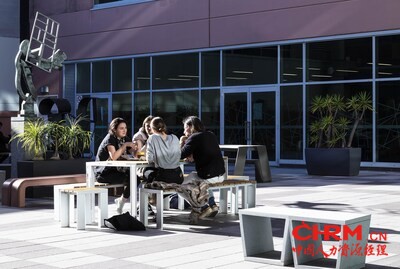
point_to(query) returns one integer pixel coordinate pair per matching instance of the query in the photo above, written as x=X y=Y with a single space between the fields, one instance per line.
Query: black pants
x=166 y=175
x=112 y=176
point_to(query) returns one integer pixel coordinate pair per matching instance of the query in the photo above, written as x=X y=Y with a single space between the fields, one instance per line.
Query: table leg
x=133 y=182
x=263 y=164
x=240 y=161
x=80 y=208
x=90 y=179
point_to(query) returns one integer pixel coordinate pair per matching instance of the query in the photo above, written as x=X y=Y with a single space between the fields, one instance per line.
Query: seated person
x=164 y=151
x=115 y=144
x=203 y=148
x=140 y=138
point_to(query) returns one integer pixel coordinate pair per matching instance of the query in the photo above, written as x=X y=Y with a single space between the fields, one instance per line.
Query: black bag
x=124 y=222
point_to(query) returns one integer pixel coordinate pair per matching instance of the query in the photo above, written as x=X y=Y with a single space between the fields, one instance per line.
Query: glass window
x=388 y=121
x=101 y=76
x=141 y=109
x=250 y=66
x=83 y=77
x=122 y=107
x=210 y=68
x=122 y=75
x=339 y=60
x=291 y=63
x=363 y=136
x=388 y=56
x=176 y=71
x=210 y=110
x=69 y=86
x=291 y=122
x=173 y=107
x=142 y=73
x=111 y=3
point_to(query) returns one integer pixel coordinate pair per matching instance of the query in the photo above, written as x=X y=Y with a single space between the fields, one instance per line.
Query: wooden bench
x=83 y=213
x=14 y=189
x=57 y=192
x=257 y=238
x=248 y=188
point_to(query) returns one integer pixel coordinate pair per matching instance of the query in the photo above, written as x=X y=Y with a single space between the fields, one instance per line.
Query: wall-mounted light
x=44 y=90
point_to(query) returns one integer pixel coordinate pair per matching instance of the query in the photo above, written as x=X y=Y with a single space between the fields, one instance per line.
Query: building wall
x=9 y=43
x=172 y=25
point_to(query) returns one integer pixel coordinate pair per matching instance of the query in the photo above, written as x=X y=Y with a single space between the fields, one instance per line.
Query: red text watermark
x=313 y=232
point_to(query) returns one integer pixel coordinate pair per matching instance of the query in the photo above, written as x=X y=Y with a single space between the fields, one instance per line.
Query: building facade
x=249 y=68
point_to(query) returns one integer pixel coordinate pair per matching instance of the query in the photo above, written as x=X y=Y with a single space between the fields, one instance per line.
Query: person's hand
x=130 y=146
x=189 y=159
x=182 y=140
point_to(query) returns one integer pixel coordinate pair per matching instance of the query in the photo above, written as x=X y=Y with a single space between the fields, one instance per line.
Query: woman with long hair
x=114 y=145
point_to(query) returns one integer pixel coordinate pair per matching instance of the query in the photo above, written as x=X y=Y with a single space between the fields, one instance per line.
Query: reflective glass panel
x=142 y=73
x=141 y=109
x=388 y=56
x=250 y=66
x=101 y=76
x=122 y=107
x=363 y=135
x=83 y=77
x=176 y=71
x=210 y=68
x=210 y=110
x=102 y=121
x=122 y=75
x=339 y=60
x=291 y=107
x=291 y=63
x=173 y=107
x=388 y=121
x=235 y=116
x=263 y=122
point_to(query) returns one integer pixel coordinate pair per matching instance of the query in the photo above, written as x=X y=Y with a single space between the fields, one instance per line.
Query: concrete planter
x=333 y=161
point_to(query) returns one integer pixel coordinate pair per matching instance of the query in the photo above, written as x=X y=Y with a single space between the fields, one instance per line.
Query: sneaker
x=214 y=210
x=150 y=210
x=119 y=202
x=205 y=213
x=193 y=218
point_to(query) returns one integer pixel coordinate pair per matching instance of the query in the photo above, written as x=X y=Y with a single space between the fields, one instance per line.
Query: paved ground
x=30 y=238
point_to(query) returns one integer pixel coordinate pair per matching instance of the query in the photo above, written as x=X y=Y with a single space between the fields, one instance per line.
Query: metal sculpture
x=39 y=51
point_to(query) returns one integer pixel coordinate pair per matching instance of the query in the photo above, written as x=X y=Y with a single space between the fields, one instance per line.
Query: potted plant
x=56 y=136
x=329 y=133
x=76 y=139
x=33 y=139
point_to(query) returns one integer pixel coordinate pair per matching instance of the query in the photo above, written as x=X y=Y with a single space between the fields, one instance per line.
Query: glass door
x=250 y=118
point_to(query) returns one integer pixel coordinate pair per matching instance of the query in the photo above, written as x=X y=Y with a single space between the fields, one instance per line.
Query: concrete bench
x=248 y=188
x=14 y=189
x=258 y=244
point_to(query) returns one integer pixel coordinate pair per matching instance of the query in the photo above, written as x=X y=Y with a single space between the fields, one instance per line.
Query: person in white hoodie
x=164 y=151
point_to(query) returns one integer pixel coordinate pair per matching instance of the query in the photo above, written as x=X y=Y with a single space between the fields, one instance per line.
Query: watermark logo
x=306 y=232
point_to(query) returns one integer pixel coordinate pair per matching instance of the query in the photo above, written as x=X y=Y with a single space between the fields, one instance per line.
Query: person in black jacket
x=115 y=145
x=202 y=147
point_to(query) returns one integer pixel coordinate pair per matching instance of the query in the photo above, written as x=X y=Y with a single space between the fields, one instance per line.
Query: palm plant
x=32 y=140
x=76 y=139
x=56 y=136
x=331 y=127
